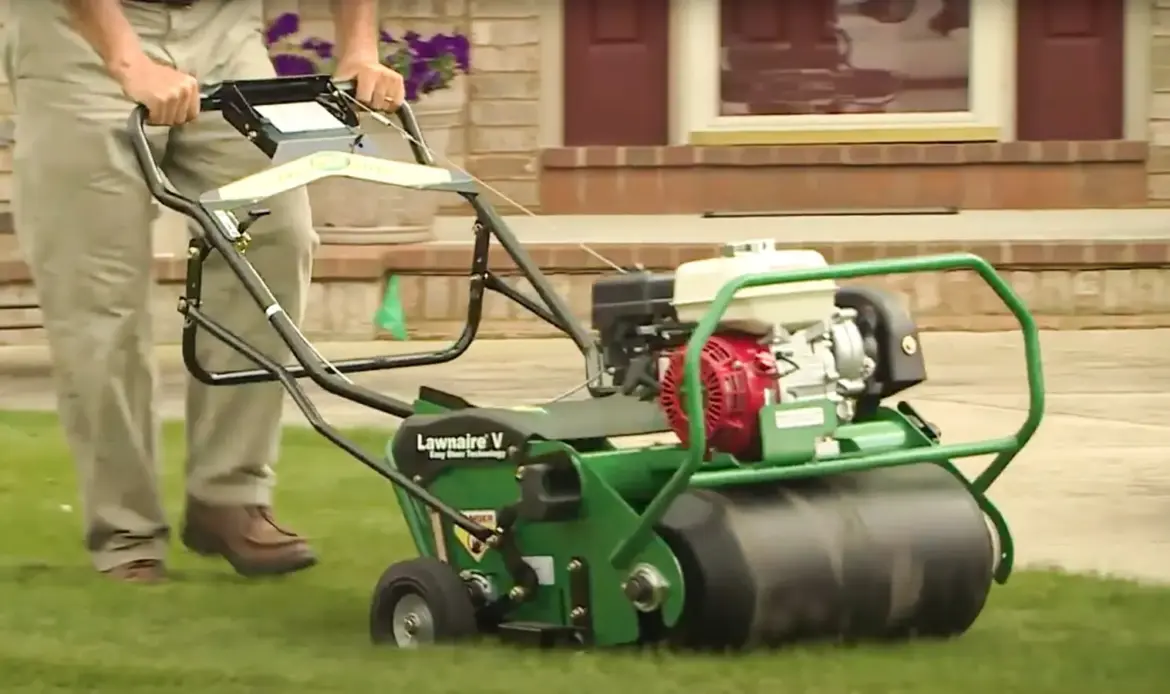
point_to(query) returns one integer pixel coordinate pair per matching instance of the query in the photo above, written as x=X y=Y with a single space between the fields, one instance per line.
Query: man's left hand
x=377 y=86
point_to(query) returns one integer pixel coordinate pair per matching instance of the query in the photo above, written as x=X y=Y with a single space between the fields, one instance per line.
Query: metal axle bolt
x=646 y=588
x=411 y=624
x=517 y=593
x=578 y=612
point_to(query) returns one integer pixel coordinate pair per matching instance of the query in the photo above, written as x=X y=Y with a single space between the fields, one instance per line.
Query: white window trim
x=1136 y=62
x=695 y=82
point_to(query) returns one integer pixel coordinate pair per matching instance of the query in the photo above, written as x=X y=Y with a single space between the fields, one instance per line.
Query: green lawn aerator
x=793 y=503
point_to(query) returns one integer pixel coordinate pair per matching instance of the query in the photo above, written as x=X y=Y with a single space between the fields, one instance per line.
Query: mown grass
x=64 y=629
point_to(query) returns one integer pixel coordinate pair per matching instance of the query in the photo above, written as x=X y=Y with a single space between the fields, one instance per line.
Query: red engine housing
x=737 y=374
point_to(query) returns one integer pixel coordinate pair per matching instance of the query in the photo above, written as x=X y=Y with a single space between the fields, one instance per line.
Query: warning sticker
x=474 y=546
x=800 y=418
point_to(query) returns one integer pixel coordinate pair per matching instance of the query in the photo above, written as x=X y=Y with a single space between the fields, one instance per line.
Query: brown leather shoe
x=247 y=537
x=138 y=571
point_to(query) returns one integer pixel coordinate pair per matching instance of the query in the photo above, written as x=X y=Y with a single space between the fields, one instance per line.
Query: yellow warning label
x=474 y=546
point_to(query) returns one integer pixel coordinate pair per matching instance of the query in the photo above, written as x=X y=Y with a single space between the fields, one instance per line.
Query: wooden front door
x=616 y=72
x=1070 y=79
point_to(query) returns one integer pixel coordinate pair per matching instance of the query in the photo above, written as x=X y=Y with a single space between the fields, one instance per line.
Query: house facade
x=757 y=106
x=688 y=106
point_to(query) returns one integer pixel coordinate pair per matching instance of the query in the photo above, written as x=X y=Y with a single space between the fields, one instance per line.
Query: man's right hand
x=171 y=97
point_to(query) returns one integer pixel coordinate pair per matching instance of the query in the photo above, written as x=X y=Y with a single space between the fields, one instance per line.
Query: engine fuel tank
x=881 y=554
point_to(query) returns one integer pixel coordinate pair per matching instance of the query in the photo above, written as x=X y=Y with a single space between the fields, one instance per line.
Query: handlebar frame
x=224 y=234
x=237 y=100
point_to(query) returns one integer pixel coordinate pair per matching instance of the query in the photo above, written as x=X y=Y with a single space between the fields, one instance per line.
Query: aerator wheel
x=421 y=602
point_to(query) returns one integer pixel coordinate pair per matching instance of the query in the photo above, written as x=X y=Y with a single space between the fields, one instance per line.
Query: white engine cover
x=793 y=306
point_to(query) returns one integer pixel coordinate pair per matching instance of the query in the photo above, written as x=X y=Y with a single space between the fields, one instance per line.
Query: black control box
x=635 y=298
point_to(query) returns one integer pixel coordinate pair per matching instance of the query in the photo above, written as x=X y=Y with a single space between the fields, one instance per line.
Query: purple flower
x=289 y=65
x=421 y=48
x=427 y=64
x=282 y=27
x=321 y=47
x=460 y=48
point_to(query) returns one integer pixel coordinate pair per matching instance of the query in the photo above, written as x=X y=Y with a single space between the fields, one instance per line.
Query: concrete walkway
x=1146 y=224
x=1092 y=493
x=969 y=225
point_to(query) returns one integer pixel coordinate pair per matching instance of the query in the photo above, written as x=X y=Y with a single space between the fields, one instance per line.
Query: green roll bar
x=1005 y=449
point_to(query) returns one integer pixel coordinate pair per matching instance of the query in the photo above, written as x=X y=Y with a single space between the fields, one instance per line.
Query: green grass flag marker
x=390 y=316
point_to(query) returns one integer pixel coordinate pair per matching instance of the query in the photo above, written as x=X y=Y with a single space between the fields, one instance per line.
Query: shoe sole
x=135 y=581
x=245 y=568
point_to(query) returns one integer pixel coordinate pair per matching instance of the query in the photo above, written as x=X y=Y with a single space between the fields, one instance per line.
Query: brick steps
x=1069 y=284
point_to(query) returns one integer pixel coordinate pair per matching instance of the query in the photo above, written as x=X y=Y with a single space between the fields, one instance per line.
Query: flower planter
x=349 y=212
x=346 y=211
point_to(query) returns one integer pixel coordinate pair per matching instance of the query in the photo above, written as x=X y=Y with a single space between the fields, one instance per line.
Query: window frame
x=695 y=58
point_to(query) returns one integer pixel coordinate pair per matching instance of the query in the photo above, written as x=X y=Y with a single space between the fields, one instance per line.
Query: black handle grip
x=274 y=90
x=279 y=90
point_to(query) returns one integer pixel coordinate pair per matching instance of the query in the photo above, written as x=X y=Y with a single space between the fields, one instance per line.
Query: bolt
x=578 y=612
x=575 y=565
x=645 y=588
x=411 y=624
x=192 y=252
x=517 y=593
x=909 y=345
x=636 y=589
x=417 y=479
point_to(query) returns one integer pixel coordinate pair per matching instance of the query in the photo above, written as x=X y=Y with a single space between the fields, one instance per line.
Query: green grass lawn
x=64 y=629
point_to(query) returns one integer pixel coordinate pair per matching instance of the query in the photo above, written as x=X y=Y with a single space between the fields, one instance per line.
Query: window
x=780 y=71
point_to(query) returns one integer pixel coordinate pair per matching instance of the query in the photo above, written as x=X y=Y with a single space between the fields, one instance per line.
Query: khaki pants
x=83 y=218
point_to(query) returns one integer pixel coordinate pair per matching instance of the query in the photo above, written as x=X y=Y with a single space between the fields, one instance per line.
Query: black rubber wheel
x=421 y=602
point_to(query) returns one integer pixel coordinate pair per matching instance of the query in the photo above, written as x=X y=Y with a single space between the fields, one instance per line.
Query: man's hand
x=171 y=97
x=377 y=86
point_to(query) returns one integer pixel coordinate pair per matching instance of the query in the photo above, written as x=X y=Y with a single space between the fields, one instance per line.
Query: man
x=83 y=216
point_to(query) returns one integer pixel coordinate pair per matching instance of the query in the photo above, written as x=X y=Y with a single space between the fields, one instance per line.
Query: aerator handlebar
x=265 y=92
x=1004 y=449
x=315 y=147
x=239 y=100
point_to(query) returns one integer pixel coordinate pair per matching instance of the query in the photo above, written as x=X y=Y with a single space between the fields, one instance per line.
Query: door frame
x=552 y=73
x=1137 y=37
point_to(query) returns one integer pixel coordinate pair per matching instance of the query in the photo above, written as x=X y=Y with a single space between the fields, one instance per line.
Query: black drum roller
x=880 y=554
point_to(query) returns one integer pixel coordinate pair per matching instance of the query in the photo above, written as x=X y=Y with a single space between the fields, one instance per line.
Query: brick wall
x=499 y=138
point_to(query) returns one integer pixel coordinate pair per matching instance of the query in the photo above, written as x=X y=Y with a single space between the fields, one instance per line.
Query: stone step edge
x=373 y=263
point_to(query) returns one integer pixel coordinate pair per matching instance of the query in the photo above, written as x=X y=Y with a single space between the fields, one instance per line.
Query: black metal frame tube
x=313 y=415
x=456 y=349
